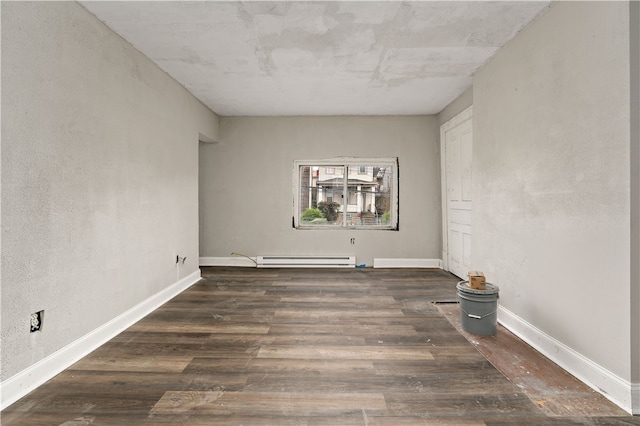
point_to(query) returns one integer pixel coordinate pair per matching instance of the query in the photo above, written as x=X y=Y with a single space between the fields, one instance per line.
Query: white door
x=456 y=161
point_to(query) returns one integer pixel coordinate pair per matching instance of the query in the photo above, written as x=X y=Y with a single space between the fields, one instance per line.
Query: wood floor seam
x=311 y=347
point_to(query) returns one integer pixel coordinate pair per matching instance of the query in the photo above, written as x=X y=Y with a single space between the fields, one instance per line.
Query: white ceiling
x=319 y=58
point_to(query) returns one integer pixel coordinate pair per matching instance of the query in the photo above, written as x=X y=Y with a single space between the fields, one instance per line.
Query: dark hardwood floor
x=296 y=347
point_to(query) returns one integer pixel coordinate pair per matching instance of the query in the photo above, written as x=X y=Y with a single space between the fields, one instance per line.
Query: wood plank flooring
x=251 y=346
x=554 y=390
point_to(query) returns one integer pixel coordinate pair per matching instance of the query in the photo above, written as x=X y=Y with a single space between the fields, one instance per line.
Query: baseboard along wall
x=29 y=379
x=406 y=263
x=619 y=391
x=377 y=263
x=250 y=262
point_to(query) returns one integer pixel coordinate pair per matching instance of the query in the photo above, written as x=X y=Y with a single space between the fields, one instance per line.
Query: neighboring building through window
x=346 y=193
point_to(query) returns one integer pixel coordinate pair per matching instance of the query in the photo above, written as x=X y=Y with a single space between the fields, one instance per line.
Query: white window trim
x=348 y=162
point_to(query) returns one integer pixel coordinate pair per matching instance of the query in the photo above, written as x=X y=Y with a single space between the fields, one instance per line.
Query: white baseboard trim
x=613 y=387
x=227 y=261
x=30 y=378
x=406 y=263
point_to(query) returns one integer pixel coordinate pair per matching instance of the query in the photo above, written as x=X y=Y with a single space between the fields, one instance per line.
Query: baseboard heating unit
x=306 y=261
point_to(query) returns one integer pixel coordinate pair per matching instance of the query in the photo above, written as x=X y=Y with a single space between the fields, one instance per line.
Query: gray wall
x=551 y=178
x=246 y=185
x=99 y=177
x=462 y=102
x=634 y=25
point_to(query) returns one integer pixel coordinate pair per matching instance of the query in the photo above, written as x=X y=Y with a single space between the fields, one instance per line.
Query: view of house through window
x=349 y=194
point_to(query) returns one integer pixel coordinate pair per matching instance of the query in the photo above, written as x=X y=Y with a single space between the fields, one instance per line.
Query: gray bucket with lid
x=478 y=308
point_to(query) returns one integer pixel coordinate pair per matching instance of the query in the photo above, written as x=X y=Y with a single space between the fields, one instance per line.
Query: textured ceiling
x=319 y=58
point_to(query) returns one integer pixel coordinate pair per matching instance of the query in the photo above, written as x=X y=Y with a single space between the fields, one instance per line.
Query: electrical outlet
x=36 y=321
x=353 y=241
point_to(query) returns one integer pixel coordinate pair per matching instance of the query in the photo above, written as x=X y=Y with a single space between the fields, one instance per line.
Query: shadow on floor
x=550 y=387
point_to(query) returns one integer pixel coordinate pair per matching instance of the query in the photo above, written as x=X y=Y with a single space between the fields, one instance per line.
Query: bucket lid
x=464 y=287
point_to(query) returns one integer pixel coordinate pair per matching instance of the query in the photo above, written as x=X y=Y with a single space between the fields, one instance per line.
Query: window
x=346 y=193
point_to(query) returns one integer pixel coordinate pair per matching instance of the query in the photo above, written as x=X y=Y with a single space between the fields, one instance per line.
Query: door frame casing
x=466 y=114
